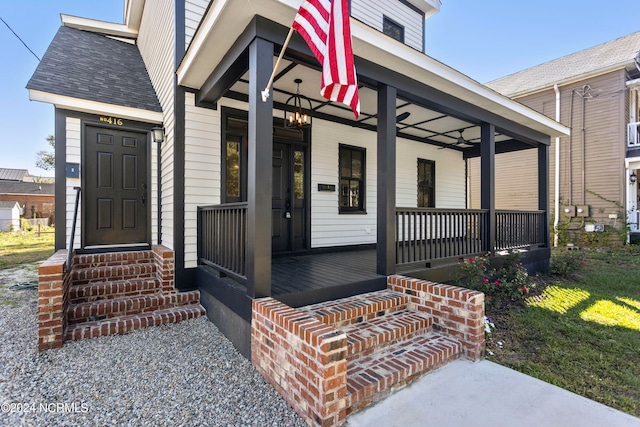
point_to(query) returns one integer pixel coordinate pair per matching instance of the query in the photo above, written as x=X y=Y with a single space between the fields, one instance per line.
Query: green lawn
x=582 y=332
x=18 y=248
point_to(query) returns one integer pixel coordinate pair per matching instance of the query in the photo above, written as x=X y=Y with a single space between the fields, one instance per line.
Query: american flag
x=324 y=25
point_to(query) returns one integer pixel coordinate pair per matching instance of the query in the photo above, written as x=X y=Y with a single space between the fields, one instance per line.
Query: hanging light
x=157 y=134
x=293 y=115
x=633 y=178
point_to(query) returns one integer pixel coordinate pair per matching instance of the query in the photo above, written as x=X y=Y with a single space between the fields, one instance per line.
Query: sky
x=482 y=39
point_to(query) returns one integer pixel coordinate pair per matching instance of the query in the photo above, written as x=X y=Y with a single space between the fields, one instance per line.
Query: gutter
x=556 y=215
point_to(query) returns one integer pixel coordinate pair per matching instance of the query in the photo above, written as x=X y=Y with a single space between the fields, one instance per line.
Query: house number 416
x=111 y=120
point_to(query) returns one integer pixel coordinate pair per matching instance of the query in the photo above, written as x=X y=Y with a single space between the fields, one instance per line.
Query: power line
x=14 y=33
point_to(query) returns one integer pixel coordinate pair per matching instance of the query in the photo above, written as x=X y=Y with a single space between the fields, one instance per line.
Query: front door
x=289 y=215
x=115 y=192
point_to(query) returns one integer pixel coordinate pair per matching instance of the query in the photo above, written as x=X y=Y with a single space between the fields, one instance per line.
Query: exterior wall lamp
x=158 y=134
x=293 y=115
x=633 y=178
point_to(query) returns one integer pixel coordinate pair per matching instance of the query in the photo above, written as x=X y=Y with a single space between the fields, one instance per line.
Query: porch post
x=488 y=181
x=386 y=203
x=260 y=155
x=543 y=191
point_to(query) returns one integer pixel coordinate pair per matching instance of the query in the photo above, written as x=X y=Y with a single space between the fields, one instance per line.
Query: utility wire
x=14 y=33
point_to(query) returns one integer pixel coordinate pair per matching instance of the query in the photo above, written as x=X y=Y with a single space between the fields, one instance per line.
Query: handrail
x=73 y=228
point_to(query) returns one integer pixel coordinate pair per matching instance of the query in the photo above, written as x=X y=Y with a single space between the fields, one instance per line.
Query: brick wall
x=304 y=359
x=165 y=263
x=53 y=286
x=458 y=312
x=43 y=205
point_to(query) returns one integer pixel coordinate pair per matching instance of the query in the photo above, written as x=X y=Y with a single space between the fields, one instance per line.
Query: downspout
x=556 y=216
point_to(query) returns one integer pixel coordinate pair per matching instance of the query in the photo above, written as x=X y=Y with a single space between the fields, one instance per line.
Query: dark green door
x=115 y=190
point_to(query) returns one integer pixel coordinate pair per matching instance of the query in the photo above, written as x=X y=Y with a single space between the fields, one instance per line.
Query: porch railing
x=424 y=234
x=222 y=242
x=519 y=229
x=633 y=135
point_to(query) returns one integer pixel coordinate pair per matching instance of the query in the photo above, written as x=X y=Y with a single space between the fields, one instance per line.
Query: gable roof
x=94 y=67
x=9 y=205
x=33 y=188
x=13 y=174
x=611 y=55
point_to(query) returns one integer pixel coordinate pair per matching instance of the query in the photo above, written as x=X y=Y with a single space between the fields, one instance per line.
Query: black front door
x=115 y=191
x=289 y=215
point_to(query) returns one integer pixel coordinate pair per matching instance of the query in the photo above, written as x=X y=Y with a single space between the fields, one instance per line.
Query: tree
x=47 y=159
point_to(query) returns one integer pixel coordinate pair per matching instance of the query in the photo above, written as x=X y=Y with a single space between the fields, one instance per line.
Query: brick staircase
x=117 y=292
x=388 y=343
x=333 y=358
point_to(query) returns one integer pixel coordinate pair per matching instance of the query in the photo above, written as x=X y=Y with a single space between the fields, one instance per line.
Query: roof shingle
x=620 y=52
x=94 y=67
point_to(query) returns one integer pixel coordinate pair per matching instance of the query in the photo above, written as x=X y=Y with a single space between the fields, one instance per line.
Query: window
x=234 y=157
x=426 y=183
x=352 y=176
x=392 y=29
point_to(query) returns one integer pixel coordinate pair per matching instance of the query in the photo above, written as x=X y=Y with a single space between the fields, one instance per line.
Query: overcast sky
x=482 y=39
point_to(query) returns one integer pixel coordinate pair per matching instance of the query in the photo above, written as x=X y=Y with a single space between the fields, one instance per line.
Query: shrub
x=509 y=283
x=564 y=262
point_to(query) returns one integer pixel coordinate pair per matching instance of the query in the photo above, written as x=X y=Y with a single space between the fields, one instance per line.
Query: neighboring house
x=37 y=199
x=9 y=216
x=251 y=209
x=595 y=92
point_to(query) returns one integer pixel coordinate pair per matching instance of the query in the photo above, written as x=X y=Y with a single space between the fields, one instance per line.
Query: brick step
x=124 y=324
x=358 y=308
x=373 y=377
x=81 y=276
x=110 y=259
x=368 y=337
x=113 y=289
x=109 y=308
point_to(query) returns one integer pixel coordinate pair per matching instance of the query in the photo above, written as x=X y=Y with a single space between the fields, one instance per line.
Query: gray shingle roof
x=94 y=67
x=13 y=174
x=8 y=205
x=17 y=187
x=616 y=52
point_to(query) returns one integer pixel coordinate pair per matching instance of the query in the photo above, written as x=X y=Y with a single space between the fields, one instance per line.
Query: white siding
x=450 y=179
x=202 y=169
x=194 y=11
x=73 y=156
x=156 y=43
x=371 y=13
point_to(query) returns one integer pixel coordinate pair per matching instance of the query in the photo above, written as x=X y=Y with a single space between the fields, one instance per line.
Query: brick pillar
x=165 y=267
x=53 y=289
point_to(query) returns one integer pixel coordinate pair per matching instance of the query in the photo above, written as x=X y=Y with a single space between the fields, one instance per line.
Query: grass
x=582 y=332
x=18 y=248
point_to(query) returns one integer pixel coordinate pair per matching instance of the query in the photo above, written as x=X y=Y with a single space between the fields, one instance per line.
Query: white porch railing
x=633 y=135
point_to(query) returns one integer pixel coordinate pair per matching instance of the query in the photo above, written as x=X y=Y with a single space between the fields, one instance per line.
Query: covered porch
x=406 y=98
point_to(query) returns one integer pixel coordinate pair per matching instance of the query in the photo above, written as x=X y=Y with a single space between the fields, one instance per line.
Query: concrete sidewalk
x=487 y=394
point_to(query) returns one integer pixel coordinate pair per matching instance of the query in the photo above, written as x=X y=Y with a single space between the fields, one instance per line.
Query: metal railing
x=633 y=135
x=519 y=229
x=424 y=234
x=222 y=241
x=73 y=228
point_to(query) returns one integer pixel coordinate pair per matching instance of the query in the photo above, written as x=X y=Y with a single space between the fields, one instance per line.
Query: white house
x=251 y=208
x=9 y=216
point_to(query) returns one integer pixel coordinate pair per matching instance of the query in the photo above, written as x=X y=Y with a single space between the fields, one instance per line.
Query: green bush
x=564 y=262
x=510 y=283
x=24 y=224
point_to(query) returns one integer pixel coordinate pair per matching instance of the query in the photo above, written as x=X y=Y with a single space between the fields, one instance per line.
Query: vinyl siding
x=605 y=141
x=371 y=12
x=73 y=135
x=202 y=169
x=156 y=41
x=194 y=11
x=328 y=226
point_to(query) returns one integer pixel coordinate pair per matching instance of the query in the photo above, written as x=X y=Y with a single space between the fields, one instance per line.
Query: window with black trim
x=234 y=159
x=393 y=29
x=352 y=179
x=426 y=183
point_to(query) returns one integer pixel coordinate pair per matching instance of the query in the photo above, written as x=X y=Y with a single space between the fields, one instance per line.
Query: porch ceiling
x=226 y=21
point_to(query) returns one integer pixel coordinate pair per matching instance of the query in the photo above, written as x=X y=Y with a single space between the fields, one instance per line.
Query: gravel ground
x=185 y=374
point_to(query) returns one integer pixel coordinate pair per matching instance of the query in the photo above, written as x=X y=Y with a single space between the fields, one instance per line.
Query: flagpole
x=265 y=92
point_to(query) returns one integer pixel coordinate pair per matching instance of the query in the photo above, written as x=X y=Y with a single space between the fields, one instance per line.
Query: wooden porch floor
x=301 y=273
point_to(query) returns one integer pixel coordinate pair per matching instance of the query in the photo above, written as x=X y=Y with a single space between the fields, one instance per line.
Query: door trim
x=126 y=127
